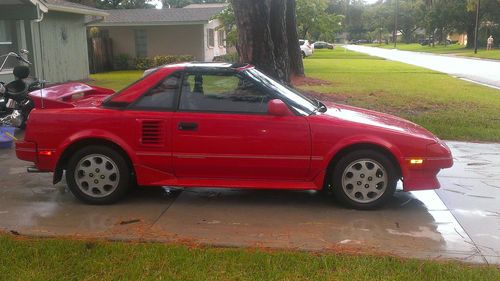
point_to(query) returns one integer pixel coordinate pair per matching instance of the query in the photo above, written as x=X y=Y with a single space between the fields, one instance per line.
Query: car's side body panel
x=242 y=146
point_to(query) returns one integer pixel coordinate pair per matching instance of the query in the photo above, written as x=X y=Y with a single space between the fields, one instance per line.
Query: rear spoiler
x=64 y=95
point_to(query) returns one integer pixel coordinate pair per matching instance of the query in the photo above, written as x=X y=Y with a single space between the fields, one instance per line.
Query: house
x=150 y=32
x=54 y=33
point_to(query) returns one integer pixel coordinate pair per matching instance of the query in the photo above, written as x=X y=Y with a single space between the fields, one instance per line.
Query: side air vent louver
x=152 y=133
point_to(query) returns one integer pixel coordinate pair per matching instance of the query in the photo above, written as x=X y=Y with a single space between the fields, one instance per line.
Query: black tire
x=121 y=182
x=357 y=159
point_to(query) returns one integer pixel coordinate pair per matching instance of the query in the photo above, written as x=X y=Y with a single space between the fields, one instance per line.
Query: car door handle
x=186 y=126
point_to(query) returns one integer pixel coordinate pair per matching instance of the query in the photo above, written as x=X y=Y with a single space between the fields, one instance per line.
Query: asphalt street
x=481 y=71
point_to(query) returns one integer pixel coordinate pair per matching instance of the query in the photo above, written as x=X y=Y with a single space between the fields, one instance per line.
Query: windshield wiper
x=320 y=107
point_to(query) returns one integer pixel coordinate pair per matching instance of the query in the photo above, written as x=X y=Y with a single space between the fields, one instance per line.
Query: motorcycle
x=15 y=104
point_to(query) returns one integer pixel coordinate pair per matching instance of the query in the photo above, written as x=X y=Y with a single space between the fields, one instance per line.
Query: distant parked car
x=306 y=48
x=428 y=41
x=322 y=45
x=362 y=41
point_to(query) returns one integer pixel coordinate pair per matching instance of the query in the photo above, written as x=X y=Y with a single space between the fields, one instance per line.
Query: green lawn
x=48 y=259
x=451 y=108
x=453 y=49
x=116 y=80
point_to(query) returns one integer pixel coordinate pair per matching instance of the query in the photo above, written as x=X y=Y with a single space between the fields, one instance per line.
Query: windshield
x=293 y=98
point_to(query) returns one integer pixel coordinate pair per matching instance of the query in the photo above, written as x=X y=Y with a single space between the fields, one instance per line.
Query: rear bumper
x=44 y=159
x=27 y=151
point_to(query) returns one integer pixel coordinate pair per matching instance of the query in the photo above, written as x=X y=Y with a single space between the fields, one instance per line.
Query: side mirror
x=277 y=107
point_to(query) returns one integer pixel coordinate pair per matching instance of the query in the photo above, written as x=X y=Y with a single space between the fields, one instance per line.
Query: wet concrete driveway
x=459 y=221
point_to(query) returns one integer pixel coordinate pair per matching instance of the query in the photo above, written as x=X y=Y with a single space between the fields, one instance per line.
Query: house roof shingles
x=155 y=16
x=66 y=6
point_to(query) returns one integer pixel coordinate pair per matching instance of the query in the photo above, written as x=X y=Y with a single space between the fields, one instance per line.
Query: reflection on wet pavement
x=460 y=221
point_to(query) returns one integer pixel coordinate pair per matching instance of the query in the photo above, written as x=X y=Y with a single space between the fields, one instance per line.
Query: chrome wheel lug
x=96 y=181
x=362 y=176
x=358 y=183
x=102 y=177
x=91 y=175
x=370 y=178
x=367 y=185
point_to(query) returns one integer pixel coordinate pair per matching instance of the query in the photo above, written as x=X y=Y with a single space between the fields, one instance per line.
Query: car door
x=150 y=120
x=222 y=131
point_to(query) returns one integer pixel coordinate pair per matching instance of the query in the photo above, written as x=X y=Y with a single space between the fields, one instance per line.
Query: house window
x=220 y=37
x=8 y=41
x=211 y=39
x=141 y=43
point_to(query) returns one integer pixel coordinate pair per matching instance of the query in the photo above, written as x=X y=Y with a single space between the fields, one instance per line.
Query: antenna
x=42 y=81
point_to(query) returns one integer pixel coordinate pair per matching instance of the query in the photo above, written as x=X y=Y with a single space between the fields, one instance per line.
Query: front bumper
x=421 y=176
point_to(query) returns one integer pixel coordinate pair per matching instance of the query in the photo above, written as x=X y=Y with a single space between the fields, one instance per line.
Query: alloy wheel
x=364 y=180
x=97 y=175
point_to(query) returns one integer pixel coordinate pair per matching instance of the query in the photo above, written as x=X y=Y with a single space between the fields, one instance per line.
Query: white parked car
x=306 y=48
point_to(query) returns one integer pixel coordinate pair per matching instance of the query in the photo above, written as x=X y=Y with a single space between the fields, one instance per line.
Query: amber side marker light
x=45 y=153
x=416 y=161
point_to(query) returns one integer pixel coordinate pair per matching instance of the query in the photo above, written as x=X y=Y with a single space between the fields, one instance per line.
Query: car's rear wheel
x=364 y=179
x=98 y=175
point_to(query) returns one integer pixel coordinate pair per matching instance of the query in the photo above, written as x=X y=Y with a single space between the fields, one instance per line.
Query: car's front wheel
x=364 y=179
x=98 y=175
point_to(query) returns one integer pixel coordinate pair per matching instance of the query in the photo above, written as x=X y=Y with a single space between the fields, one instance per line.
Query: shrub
x=144 y=63
x=162 y=60
x=230 y=57
x=121 y=62
x=185 y=58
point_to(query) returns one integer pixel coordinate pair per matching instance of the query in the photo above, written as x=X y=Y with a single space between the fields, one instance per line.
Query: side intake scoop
x=67 y=95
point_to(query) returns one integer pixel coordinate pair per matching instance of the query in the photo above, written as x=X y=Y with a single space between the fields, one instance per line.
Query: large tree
x=267 y=36
x=316 y=21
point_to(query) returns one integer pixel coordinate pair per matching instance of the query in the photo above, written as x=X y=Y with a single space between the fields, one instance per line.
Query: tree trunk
x=266 y=37
x=255 y=44
x=294 y=53
x=280 y=40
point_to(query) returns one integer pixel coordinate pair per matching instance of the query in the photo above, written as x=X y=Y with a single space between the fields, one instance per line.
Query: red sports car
x=220 y=125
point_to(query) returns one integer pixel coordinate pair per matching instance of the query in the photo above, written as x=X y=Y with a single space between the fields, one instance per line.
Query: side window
x=141 y=43
x=211 y=39
x=221 y=93
x=162 y=96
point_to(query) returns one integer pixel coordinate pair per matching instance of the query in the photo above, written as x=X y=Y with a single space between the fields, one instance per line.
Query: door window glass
x=222 y=93
x=162 y=96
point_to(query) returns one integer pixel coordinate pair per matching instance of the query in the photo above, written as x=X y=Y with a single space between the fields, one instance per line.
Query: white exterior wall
x=216 y=50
